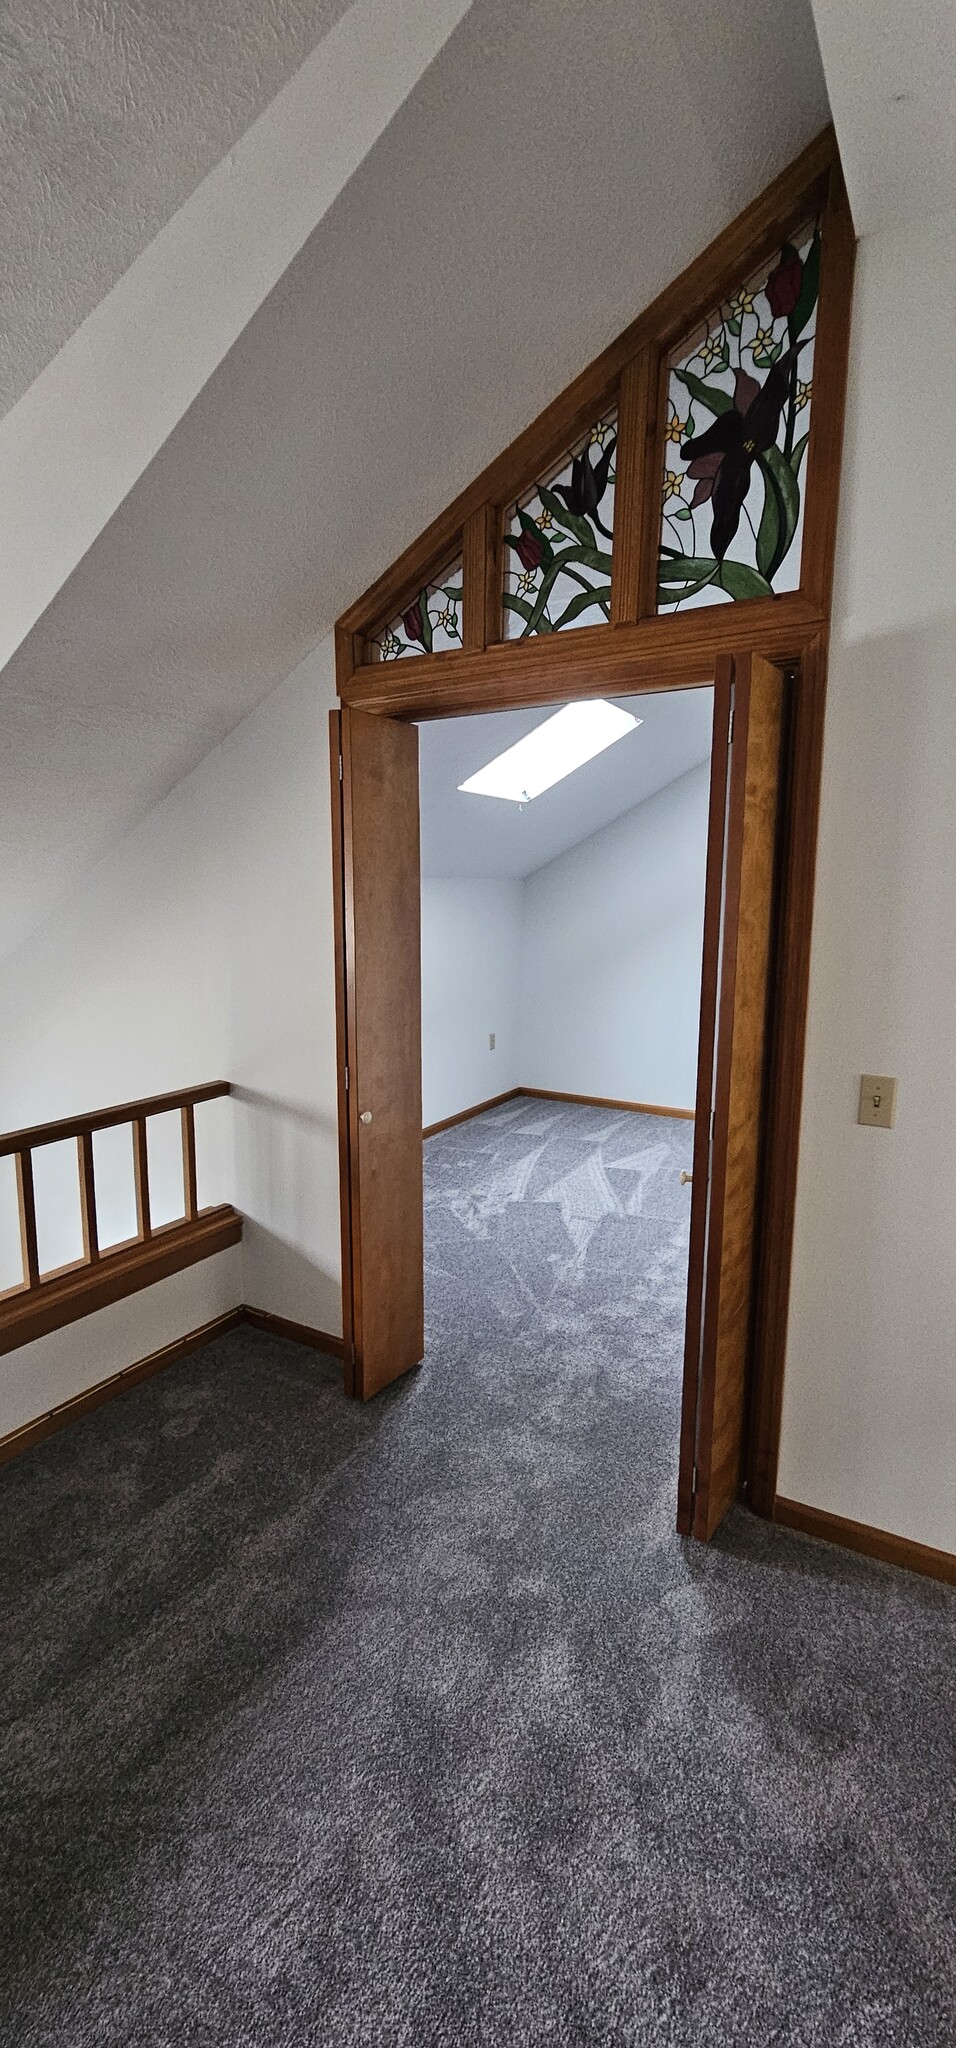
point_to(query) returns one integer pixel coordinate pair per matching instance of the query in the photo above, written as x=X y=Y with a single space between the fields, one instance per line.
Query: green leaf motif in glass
x=558 y=539
x=733 y=511
x=431 y=623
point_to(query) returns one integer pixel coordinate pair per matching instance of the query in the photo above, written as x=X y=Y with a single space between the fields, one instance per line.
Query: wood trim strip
x=635 y=422
x=800 y=806
x=799 y=190
x=336 y=754
x=65 y=1412
x=831 y=353
x=463 y=1116
x=104 y=1119
x=870 y=1542
x=83 y=1289
x=298 y=1333
x=707 y=1045
x=481 y=598
x=606 y=1102
x=673 y=651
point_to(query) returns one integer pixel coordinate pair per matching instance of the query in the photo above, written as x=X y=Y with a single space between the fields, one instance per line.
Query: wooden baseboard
x=890 y=1549
x=553 y=1095
x=81 y=1290
x=300 y=1333
x=605 y=1102
x=106 y=1390
x=462 y=1116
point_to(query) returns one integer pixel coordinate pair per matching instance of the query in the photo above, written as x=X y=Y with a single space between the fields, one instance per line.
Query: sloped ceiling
x=553 y=169
x=891 y=70
x=464 y=834
x=113 y=111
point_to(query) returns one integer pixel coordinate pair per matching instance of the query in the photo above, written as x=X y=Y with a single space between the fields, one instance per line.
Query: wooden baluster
x=91 y=1240
x=28 y=1219
x=189 y=1162
x=141 y=1173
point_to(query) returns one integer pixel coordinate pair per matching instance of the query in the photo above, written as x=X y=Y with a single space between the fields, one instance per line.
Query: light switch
x=877 y=1100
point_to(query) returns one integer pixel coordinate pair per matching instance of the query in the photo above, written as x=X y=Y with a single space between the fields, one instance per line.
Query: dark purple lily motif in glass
x=583 y=494
x=414 y=623
x=721 y=460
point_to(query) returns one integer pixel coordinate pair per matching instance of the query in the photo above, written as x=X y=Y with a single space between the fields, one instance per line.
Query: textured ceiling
x=112 y=112
x=553 y=169
x=891 y=70
x=463 y=834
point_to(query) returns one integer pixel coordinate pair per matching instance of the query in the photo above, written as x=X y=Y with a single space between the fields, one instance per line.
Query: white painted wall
x=611 y=951
x=200 y=947
x=587 y=970
x=204 y=944
x=471 y=949
x=869 y=1417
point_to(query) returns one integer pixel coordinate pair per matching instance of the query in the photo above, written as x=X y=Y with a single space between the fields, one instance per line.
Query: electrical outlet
x=491 y=1041
x=877 y=1100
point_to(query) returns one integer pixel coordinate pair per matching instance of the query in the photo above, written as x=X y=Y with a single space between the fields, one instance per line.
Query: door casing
x=804 y=662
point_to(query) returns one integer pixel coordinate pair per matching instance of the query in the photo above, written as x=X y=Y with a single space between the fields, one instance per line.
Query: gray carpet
x=417 y=1725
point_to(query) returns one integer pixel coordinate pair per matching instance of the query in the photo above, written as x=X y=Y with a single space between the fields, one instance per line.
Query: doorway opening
x=765 y=728
x=561 y=948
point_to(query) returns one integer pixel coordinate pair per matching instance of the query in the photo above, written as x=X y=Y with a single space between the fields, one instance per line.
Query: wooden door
x=378 y=882
x=742 y=860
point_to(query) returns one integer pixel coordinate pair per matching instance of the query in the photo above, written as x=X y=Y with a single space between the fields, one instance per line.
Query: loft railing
x=44 y=1301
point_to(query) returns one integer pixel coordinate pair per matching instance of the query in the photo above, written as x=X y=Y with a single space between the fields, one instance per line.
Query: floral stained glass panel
x=431 y=624
x=738 y=418
x=557 y=542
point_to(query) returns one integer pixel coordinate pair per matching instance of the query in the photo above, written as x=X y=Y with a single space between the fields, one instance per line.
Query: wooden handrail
x=44 y=1301
x=103 y=1119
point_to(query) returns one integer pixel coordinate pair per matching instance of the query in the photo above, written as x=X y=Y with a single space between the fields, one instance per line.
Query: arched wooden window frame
x=631 y=375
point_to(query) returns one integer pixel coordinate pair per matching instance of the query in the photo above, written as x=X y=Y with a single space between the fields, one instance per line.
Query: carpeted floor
x=417 y=1725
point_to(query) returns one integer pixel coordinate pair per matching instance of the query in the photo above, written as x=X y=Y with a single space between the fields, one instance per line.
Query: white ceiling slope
x=113 y=112
x=551 y=171
x=76 y=442
x=464 y=834
x=891 y=72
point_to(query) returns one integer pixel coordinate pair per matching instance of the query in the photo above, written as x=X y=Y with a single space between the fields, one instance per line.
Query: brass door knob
x=685 y=1179
x=366 y=1116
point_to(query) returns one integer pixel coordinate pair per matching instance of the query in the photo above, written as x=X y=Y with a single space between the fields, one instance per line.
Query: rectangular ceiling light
x=563 y=743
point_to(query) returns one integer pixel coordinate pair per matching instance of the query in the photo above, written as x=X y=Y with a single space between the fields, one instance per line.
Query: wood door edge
x=337 y=790
x=710 y=956
x=786 y=1080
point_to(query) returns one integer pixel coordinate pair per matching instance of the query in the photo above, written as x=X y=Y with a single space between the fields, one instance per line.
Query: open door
x=749 y=706
x=377 y=876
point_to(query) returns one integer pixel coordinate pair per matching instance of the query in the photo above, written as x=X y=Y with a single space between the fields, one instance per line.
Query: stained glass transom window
x=558 y=539
x=431 y=624
x=738 y=418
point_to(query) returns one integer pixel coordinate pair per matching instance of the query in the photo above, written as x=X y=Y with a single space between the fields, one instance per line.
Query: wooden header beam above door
x=632 y=375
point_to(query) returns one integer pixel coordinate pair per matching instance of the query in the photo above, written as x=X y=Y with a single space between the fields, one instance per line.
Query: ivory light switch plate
x=877 y=1100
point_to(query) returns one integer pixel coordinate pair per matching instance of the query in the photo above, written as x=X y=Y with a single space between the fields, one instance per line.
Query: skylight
x=564 y=742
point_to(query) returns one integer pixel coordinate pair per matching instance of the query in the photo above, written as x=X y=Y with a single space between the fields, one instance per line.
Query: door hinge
x=346 y=1079
x=693 y=1484
x=730 y=728
x=341 y=770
